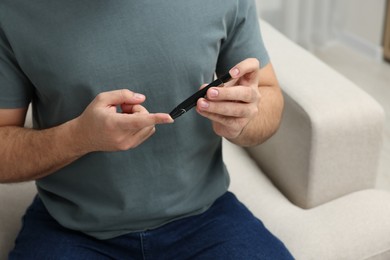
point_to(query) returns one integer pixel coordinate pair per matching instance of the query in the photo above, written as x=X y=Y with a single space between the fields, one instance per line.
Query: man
x=114 y=179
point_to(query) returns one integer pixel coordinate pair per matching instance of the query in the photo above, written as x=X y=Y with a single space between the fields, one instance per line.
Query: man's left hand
x=232 y=107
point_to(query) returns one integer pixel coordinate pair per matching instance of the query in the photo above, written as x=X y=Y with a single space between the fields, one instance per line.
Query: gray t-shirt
x=61 y=54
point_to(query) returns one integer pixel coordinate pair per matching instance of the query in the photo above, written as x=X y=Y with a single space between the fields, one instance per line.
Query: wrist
x=74 y=138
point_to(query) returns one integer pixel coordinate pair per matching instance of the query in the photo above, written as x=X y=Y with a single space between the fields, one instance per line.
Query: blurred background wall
x=315 y=23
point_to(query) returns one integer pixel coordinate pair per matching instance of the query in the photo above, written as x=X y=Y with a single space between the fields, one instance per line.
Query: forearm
x=27 y=154
x=267 y=120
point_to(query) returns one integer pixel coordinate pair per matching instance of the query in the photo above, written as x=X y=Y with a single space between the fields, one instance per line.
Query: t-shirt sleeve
x=15 y=87
x=244 y=39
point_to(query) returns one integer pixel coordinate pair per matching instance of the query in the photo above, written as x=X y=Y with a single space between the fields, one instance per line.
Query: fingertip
x=234 y=72
x=164 y=119
x=203 y=104
x=139 y=97
x=130 y=97
x=212 y=93
x=169 y=120
x=246 y=66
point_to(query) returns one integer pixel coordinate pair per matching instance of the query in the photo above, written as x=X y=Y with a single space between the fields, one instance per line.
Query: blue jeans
x=227 y=230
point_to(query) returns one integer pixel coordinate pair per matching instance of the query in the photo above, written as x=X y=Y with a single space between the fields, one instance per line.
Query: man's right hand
x=28 y=154
x=101 y=128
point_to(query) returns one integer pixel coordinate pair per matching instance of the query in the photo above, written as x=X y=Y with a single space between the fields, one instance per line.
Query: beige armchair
x=312 y=184
x=315 y=187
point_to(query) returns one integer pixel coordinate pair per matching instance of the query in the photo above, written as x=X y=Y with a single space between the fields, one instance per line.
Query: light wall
x=366 y=19
x=315 y=23
x=360 y=24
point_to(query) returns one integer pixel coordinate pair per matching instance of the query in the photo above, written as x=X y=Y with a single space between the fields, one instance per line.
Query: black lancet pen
x=190 y=102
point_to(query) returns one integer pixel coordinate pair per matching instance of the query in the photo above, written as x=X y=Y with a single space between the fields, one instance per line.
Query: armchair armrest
x=14 y=199
x=330 y=138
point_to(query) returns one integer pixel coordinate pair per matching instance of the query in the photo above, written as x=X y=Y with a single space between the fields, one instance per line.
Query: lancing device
x=190 y=102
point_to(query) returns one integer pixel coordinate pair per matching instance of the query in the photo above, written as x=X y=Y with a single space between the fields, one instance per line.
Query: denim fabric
x=226 y=231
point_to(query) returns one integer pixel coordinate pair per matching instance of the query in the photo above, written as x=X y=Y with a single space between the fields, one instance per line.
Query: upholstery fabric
x=331 y=133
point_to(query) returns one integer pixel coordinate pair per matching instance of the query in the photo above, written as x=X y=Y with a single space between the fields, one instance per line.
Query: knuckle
x=136 y=124
x=255 y=62
x=248 y=95
x=125 y=93
x=255 y=110
x=100 y=97
x=238 y=112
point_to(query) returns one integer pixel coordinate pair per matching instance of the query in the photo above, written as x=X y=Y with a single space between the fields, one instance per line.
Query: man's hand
x=28 y=154
x=232 y=107
x=248 y=109
x=102 y=128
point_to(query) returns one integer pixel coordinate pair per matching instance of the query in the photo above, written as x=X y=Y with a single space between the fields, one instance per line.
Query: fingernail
x=234 y=72
x=204 y=104
x=139 y=96
x=213 y=92
x=169 y=120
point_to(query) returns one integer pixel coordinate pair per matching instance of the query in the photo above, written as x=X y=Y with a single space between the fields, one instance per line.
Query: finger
x=237 y=93
x=140 y=109
x=118 y=97
x=227 y=109
x=130 y=109
x=246 y=69
x=127 y=108
x=141 y=120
